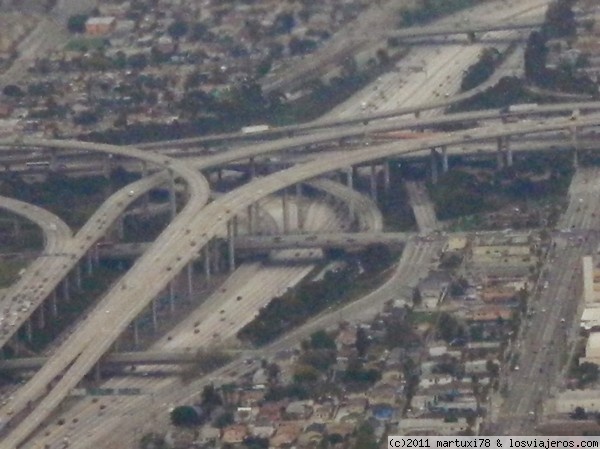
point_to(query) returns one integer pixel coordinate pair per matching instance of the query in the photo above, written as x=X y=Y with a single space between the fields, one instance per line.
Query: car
x=131 y=193
x=516 y=368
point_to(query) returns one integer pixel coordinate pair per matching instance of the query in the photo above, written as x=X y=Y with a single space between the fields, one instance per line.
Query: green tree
x=362 y=342
x=365 y=438
x=417 y=298
x=322 y=340
x=76 y=23
x=211 y=398
x=185 y=416
x=178 y=29
x=223 y=420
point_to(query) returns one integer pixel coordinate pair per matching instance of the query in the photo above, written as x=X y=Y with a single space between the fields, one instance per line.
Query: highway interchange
x=190 y=232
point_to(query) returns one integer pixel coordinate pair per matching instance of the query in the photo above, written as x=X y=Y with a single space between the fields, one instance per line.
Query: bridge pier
x=17 y=230
x=206 y=251
x=96 y=255
x=97 y=372
x=299 y=207
x=171 y=297
x=41 y=315
x=250 y=219
x=190 y=279
x=285 y=211
x=252 y=168
x=154 y=315
x=145 y=196
x=575 y=145
x=172 y=194
x=350 y=185
x=78 y=276
x=89 y=263
x=136 y=333
x=65 y=285
x=434 y=167
x=107 y=165
x=53 y=165
x=373 y=182
x=231 y=244
x=386 y=176
x=120 y=224
x=445 y=159
x=53 y=303
x=29 y=330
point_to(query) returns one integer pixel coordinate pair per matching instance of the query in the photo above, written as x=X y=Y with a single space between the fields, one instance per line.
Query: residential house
x=99 y=26
x=234 y=434
x=286 y=434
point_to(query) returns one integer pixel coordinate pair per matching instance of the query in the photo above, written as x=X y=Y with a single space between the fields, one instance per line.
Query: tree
x=365 y=438
x=76 y=23
x=321 y=340
x=560 y=20
x=305 y=373
x=185 y=416
x=178 y=29
x=417 y=298
x=362 y=342
x=223 y=420
x=449 y=328
x=579 y=413
x=12 y=90
x=211 y=398
x=535 y=57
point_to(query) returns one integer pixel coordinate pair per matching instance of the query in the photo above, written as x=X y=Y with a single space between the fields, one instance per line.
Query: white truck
x=254 y=129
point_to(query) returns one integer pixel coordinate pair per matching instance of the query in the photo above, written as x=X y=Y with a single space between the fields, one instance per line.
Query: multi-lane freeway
x=161 y=266
x=186 y=235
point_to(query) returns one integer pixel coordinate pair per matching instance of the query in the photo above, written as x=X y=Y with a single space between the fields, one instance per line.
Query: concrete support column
x=171 y=297
x=509 y=156
x=386 y=176
x=53 y=163
x=575 y=145
x=29 y=330
x=286 y=212
x=373 y=182
x=235 y=226
x=96 y=255
x=300 y=207
x=350 y=183
x=154 y=315
x=78 y=276
x=89 y=263
x=434 y=167
x=17 y=229
x=445 y=165
x=251 y=219
x=53 y=303
x=231 y=246
x=107 y=165
x=136 y=333
x=252 y=168
x=172 y=195
x=499 y=153
x=97 y=372
x=350 y=178
x=42 y=315
x=190 y=279
x=145 y=196
x=65 y=285
x=206 y=251
x=121 y=228
x=216 y=257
